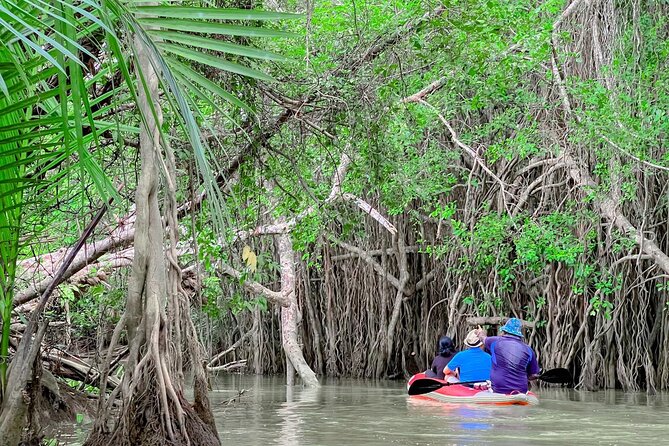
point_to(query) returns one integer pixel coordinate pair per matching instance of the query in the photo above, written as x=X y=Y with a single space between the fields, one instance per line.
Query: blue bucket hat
x=513 y=326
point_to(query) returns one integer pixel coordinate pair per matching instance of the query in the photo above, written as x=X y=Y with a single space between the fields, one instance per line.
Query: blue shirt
x=513 y=362
x=474 y=364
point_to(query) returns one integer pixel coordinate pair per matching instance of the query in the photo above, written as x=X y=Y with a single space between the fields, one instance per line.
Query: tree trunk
x=289 y=316
x=153 y=409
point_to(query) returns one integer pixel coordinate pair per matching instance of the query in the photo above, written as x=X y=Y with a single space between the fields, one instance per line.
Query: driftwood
x=234 y=365
x=73 y=367
x=240 y=341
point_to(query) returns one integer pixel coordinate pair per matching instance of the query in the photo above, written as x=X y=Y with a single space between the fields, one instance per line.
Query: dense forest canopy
x=345 y=185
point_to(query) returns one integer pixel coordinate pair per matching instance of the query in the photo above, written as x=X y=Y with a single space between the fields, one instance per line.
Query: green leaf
x=38 y=49
x=215 y=62
x=218 y=45
x=3 y=87
x=38 y=32
x=212 y=87
x=214 y=28
x=190 y=12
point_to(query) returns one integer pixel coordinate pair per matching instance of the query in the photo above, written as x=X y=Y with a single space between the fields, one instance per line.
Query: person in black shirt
x=446 y=353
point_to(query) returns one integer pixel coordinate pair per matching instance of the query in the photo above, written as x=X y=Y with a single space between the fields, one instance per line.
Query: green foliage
x=92 y=390
x=211 y=291
x=89 y=308
x=549 y=239
x=51 y=111
x=601 y=305
x=239 y=303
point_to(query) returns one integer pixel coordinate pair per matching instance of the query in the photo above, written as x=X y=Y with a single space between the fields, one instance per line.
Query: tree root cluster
x=142 y=421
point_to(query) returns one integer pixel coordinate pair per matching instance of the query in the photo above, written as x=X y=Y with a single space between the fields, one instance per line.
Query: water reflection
x=366 y=413
x=291 y=413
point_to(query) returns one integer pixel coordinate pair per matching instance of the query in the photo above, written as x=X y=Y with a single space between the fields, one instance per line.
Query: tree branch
x=394 y=281
x=369 y=210
x=416 y=97
x=256 y=288
x=88 y=255
x=375 y=252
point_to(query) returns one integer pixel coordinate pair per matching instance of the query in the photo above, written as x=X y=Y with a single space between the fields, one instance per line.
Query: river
x=358 y=412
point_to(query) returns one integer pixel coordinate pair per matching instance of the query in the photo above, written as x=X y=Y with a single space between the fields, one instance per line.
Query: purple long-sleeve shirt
x=513 y=362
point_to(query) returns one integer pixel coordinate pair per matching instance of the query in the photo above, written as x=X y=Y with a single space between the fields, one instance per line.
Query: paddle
x=556 y=376
x=427 y=385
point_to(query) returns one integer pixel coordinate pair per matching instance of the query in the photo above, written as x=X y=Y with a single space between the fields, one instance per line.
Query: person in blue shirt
x=472 y=364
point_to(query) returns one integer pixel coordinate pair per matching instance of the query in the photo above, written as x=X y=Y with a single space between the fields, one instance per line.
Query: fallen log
x=475 y=321
x=79 y=369
x=230 y=366
x=50 y=263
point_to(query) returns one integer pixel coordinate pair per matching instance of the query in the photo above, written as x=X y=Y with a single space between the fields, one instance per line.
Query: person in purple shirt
x=513 y=361
x=446 y=352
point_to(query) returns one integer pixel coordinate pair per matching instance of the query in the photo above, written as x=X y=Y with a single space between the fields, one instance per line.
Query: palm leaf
x=217 y=45
x=190 y=74
x=33 y=30
x=214 y=61
x=191 y=12
x=197 y=26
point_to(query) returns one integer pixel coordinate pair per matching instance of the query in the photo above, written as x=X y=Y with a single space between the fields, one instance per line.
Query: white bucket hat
x=472 y=339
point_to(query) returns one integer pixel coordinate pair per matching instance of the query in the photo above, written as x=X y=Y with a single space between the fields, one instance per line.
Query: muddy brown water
x=358 y=412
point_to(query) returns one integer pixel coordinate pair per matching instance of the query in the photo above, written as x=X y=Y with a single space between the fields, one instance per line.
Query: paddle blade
x=556 y=376
x=424 y=385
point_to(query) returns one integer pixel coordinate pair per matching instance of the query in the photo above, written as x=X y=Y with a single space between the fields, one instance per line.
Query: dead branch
x=474 y=321
x=239 y=342
x=375 y=253
x=255 y=287
x=234 y=365
x=49 y=263
x=84 y=372
x=369 y=210
x=394 y=281
x=416 y=97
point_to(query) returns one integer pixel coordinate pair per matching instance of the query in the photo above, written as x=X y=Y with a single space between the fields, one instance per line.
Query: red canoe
x=456 y=393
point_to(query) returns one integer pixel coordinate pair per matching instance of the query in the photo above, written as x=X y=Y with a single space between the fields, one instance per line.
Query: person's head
x=472 y=340
x=446 y=347
x=513 y=327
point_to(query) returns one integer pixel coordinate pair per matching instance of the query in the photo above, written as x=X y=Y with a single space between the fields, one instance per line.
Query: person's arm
x=488 y=341
x=480 y=332
x=533 y=369
x=455 y=372
x=453 y=366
